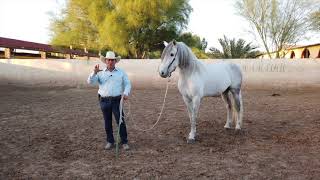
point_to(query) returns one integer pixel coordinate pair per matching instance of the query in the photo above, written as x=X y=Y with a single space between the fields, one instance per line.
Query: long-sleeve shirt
x=111 y=83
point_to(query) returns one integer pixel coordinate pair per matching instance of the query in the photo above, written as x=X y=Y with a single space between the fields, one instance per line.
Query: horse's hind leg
x=238 y=107
x=226 y=98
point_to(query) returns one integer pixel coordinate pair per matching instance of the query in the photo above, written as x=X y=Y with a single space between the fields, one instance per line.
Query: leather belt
x=110 y=97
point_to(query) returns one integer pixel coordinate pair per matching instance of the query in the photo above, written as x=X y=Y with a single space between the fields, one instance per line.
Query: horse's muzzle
x=163 y=74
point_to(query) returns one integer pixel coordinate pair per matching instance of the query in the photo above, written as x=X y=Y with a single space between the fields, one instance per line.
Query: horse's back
x=224 y=75
x=216 y=78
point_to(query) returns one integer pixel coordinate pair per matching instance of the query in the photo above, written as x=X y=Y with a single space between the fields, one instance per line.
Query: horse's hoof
x=191 y=141
x=227 y=127
x=238 y=129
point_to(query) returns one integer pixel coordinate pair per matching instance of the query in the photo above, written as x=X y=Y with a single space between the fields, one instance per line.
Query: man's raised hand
x=96 y=69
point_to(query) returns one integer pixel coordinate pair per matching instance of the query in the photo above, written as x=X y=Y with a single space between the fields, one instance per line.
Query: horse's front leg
x=188 y=103
x=194 y=108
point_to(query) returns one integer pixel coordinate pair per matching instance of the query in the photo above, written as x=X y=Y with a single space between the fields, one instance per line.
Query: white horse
x=197 y=80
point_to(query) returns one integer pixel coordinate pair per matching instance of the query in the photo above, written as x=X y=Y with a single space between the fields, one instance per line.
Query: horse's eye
x=171 y=54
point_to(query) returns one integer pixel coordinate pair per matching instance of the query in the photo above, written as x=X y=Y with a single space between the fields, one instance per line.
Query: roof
x=305 y=46
x=19 y=44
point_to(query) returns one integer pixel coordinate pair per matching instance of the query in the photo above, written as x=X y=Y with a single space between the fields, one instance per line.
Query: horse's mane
x=186 y=56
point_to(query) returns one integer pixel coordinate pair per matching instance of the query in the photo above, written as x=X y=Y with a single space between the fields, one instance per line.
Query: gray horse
x=197 y=80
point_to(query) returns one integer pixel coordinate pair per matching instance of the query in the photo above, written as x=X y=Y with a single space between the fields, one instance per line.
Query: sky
x=27 y=19
x=211 y=19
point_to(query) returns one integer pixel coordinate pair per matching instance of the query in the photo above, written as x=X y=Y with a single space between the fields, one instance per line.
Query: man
x=113 y=83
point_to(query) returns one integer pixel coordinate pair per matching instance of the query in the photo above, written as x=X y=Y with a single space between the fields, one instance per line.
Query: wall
x=276 y=72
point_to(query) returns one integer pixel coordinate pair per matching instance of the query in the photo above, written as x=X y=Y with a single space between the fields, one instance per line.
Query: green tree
x=190 y=40
x=278 y=23
x=132 y=28
x=78 y=24
x=200 y=54
x=197 y=45
x=234 y=49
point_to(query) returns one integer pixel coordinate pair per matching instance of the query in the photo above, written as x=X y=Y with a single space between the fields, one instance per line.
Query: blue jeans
x=109 y=106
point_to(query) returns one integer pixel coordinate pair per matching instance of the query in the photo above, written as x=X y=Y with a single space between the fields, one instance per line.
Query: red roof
x=19 y=44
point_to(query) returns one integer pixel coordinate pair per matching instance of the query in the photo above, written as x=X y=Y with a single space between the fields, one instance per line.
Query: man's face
x=111 y=63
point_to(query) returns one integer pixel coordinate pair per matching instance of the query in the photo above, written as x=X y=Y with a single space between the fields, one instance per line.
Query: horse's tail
x=241 y=108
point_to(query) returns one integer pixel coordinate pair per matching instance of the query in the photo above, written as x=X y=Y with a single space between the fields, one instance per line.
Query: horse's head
x=169 y=59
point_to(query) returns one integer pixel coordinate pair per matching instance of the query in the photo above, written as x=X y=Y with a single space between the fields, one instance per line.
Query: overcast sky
x=211 y=19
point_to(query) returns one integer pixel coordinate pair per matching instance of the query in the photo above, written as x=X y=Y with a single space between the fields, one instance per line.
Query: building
x=9 y=47
x=297 y=52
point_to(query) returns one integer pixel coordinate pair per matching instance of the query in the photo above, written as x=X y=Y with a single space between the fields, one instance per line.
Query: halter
x=173 y=59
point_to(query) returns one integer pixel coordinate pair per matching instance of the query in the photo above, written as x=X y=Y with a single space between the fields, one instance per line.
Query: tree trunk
x=143 y=54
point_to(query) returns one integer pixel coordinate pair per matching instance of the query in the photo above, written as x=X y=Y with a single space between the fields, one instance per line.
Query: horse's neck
x=194 y=67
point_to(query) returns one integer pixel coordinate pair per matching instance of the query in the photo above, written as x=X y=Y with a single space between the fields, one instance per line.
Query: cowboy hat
x=110 y=55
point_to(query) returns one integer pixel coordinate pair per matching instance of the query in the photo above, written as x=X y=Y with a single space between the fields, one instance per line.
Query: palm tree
x=232 y=49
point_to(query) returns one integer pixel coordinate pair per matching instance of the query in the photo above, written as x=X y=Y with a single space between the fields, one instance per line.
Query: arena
x=52 y=127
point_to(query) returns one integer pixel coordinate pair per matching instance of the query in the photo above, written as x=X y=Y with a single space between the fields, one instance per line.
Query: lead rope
x=144 y=130
x=118 y=133
x=161 y=111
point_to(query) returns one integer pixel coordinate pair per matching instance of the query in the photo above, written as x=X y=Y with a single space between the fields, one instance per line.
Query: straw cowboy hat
x=110 y=55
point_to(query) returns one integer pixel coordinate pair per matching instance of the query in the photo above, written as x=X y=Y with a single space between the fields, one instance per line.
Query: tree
x=130 y=27
x=192 y=40
x=197 y=45
x=78 y=24
x=204 y=44
x=315 y=20
x=234 y=49
x=278 y=23
x=200 y=54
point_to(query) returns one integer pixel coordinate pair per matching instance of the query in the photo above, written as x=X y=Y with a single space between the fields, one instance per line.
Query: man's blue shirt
x=111 y=83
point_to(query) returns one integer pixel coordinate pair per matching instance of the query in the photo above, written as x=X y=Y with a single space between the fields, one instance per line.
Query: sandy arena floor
x=57 y=132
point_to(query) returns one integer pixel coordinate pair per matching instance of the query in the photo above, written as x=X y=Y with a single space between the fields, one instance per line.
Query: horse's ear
x=165 y=43
x=174 y=42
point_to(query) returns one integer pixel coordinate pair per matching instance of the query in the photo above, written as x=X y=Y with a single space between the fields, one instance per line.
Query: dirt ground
x=57 y=132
